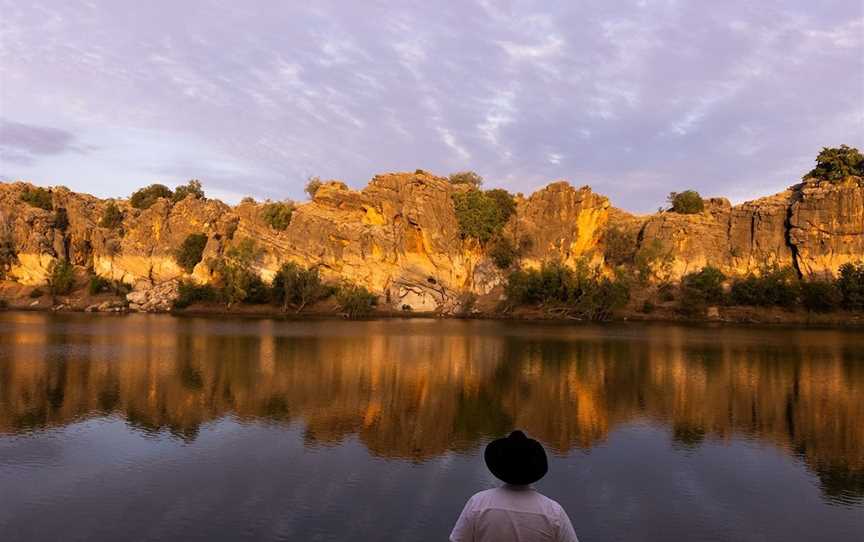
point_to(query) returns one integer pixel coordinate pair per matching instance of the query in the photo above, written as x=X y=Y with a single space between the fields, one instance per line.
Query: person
x=515 y=511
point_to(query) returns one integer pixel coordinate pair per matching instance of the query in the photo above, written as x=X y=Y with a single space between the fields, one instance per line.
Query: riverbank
x=17 y=297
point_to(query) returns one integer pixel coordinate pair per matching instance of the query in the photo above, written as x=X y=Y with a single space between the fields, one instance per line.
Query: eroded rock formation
x=399 y=236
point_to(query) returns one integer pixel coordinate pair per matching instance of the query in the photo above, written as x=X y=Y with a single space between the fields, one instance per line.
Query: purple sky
x=636 y=98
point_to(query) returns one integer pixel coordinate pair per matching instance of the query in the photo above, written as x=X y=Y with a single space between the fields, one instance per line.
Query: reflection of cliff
x=413 y=390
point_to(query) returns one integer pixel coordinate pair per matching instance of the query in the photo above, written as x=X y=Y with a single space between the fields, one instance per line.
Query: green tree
x=61 y=277
x=851 y=285
x=503 y=252
x=469 y=178
x=147 y=196
x=772 y=287
x=189 y=292
x=8 y=252
x=191 y=251
x=38 y=197
x=688 y=202
x=701 y=289
x=192 y=188
x=277 y=214
x=821 y=296
x=483 y=214
x=111 y=216
x=356 y=301
x=237 y=277
x=619 y=246
x=297 y=286
x=312 y=186
x=837 y=163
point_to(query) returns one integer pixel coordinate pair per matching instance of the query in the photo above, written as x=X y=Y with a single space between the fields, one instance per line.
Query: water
x=159 y=428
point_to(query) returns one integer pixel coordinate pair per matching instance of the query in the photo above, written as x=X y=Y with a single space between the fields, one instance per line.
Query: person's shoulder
x=549 y=503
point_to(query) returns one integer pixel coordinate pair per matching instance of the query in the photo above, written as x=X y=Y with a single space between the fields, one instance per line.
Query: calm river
x=152 y=427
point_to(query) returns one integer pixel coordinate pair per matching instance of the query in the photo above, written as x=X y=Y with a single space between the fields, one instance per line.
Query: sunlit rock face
x=400 y=238
x=826 y=225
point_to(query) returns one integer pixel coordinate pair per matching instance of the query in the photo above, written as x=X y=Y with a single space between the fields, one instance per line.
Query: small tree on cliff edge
x=837 y=163
x=470 y=178
x=312 y=186
x=688 y=202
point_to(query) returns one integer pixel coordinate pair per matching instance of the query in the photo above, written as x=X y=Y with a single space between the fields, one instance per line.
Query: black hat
x=516 y=459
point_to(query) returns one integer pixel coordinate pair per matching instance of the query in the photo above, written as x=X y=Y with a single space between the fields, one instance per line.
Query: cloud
x=24 y=143
x=637 y=98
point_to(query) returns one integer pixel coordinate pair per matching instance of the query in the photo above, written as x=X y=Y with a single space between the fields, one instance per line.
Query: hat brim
x=516 y=461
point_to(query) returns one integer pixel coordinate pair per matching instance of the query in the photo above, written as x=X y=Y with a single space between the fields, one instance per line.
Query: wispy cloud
x=638 y=97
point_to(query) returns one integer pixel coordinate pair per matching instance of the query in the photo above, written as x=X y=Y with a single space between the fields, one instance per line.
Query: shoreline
x=733 y=315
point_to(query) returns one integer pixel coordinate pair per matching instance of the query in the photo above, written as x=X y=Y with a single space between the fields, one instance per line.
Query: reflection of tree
x=416 y=396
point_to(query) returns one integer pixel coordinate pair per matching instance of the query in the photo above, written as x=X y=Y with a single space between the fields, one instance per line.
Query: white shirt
x=512 y=513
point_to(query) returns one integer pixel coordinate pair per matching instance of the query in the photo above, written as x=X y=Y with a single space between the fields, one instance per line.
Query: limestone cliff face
x=399 y=236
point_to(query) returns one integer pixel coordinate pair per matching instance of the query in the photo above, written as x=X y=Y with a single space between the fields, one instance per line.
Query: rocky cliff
x=400 y=237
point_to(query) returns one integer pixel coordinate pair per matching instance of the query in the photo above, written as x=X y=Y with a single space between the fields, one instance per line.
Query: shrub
x=688 y=202
x=189 y=292
x=61 y=279
x=851 y=285
x=648 y=307
x=146 y=197
x=8 y=253
x=98 y=284
x=503 y=253
x=619 y=247
x=61 y=219
x=247 y=200
x=579 y=292
x=38 y=197
x=191 y=251
x=312 y=186
x=111 y=217
x=774 y=286
x=356 y=301
x=296 y=286
x=470 y=178
x=701 y=289
x=820 y=296
x=482 y=215
x=36 y=293
x=835 y=164
x=653 y=260
x=467 y=303
x=277 y=214
x=192 y=188
x=237 y=279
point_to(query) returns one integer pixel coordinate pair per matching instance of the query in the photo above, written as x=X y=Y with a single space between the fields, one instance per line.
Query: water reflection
x=417 y=389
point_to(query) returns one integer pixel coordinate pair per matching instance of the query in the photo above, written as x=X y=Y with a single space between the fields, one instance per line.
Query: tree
x=356 y=301
x=61 y=218
x=619 y=245
x=470 y=178
x=701 y=289
x=296 y=286
x=191 y=251
x=239 y=282
x=61 y=278
x=38 y=197
x=8 y=253
x=192 y=188
x=837 y=163
x=147 y=196
x=277 y=214
x=503 y=252
x=482 y=215
x=111 y=216
x=851 y=285
x=312 y=186
x=687 y=203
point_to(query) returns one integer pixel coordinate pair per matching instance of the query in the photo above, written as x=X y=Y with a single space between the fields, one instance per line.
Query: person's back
x=517 y=513
x=514 y=512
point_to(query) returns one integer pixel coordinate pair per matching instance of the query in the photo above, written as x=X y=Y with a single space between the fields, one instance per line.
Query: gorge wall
x=399 y=236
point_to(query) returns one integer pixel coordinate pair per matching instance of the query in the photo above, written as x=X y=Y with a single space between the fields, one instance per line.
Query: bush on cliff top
x=837 y=163
x=192 y=188
x=483 y=214
x=312 y=186
x=38 y=197
x=146 y=197
x=688 y=202
x=469 y=178
x=190 y=252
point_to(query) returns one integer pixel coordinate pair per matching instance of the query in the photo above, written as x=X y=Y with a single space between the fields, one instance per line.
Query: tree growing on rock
x=469 y=178
x=112 y=217
x=38 y=197
x=837 y=163
x=147 y=196
x=312 y=186
x=277 y=214
x=688 y=202
x=191 y=251
x=483 y=214
x=192 y=188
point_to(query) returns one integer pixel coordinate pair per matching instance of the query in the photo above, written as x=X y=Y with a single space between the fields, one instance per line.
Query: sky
x=635 y=98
